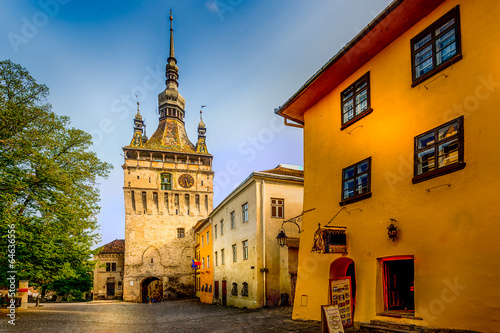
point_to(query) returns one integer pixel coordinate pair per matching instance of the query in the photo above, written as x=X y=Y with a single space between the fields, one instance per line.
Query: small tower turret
x=201 y=146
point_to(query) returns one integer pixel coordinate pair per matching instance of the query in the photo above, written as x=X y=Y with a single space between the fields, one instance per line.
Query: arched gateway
x=151 y=290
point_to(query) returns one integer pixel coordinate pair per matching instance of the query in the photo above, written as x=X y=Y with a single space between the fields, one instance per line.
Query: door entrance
x=110 y=289
x=398 y=280
x=216 y=290
x=151 y=290
x=343 y=267
x=224 y=293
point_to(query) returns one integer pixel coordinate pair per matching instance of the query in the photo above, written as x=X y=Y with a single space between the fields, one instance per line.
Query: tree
x=48 y=191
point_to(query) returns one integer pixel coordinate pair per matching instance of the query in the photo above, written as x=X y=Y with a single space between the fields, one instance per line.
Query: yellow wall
x=206 y=274
x=452 y=231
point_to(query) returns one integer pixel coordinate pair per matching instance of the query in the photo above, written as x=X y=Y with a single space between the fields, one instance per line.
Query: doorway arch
x=151 y=290
x=342 y=267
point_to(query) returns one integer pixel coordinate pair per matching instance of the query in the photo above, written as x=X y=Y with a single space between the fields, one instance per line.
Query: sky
x=240 y=58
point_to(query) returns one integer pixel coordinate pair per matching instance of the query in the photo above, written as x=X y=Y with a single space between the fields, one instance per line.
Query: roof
x=116 y=246
x=394 y=20
x=283 y=170
x=201 y=224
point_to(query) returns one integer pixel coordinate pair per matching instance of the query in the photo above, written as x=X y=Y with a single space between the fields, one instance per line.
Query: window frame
x=244 y=212
x=459 y=165
x=222 y=257
x=181 y=233
x=245 y=249
x=453 y=13
x=364 y=113
x=277 y=205
x=233 y=219
x=222 y=227
x=215 y=231
x=361 y=196
x=235 y=252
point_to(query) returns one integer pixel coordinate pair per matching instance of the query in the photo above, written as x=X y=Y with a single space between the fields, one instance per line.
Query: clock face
x=186 y=180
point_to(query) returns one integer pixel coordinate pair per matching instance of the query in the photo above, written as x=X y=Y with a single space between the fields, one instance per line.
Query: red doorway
x=343 y=267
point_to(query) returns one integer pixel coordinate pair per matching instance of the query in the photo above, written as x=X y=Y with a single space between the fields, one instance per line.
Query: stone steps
x=377 y=326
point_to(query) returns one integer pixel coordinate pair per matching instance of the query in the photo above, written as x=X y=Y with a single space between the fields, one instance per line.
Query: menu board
x=331 y=321
x=341 y=295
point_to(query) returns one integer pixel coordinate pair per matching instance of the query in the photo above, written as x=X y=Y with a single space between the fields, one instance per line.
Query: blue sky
x=241 y=58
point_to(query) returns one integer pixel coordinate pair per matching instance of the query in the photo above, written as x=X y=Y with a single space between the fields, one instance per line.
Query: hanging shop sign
x=341 y=296
x=330 y=240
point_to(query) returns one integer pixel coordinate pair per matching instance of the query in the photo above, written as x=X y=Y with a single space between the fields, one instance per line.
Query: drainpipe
x=263 y=210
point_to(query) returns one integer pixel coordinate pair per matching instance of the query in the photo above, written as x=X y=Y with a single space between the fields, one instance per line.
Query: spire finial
x=138 y=112
x=171 y=35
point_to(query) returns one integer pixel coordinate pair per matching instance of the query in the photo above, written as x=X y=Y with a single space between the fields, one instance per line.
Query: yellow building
x=250 y=268
x=400 y=129
x=203 y=230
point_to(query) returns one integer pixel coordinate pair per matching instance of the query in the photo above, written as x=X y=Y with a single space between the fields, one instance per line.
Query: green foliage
x=47 y=186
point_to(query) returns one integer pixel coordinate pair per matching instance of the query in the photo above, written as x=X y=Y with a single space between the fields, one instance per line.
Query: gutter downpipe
x=263 y=209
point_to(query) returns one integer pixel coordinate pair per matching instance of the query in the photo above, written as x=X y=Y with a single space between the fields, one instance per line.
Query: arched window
x=234 y=290
x=166 y=181
x=210 y=288
x=202 y=288
x=244 y=289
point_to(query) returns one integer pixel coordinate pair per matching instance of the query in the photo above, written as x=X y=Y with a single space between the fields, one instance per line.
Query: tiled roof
x=116 y=246
x=281 y=170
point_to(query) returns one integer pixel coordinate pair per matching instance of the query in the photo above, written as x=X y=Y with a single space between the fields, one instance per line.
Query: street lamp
x=282 y=237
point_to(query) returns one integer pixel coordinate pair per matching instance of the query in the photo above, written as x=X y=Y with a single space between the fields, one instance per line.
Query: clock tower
x=168 y=187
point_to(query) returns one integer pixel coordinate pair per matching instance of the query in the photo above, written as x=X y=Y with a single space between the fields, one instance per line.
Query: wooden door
x=110 y=286
x=224 y=293
x=216 y=290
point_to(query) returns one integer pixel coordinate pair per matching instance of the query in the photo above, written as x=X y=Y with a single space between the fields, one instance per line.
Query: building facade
x=203 y=231
x=250 y=269
x=167 y=189
x=406 y=112
x=108 y=271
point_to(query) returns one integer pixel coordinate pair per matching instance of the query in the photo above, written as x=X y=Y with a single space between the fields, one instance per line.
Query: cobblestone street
x=176 y=316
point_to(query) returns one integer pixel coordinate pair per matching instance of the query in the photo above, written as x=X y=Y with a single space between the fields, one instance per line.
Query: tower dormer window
x=166 y=181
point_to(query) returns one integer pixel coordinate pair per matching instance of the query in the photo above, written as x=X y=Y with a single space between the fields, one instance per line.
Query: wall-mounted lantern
x=392 y=230
x=282 y=237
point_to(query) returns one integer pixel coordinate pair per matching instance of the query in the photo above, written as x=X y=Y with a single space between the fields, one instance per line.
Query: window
x=245 y=250
x=111 y=267
x=234 y=289
x=355 y=101
x=278 y=208
x=197 y=203
x=202 y=240
x=216 y=259
x=186 y=200
x=180 y=232
x=398 y=277
x=166 y=202
x=144 y=202
x=155 y=201
x=221 y=227
x=439 y=151
x=203 y=263
x=166 y=181
x=244 y=289
x=234 y=253
x=437 y=47
x=244 y=211
x=233 y=223
x=176 y=203
x=215 y=231
x=356 y=182
x=208 y=261
x=208 y=237
x=222 y=257
x=133 y=200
